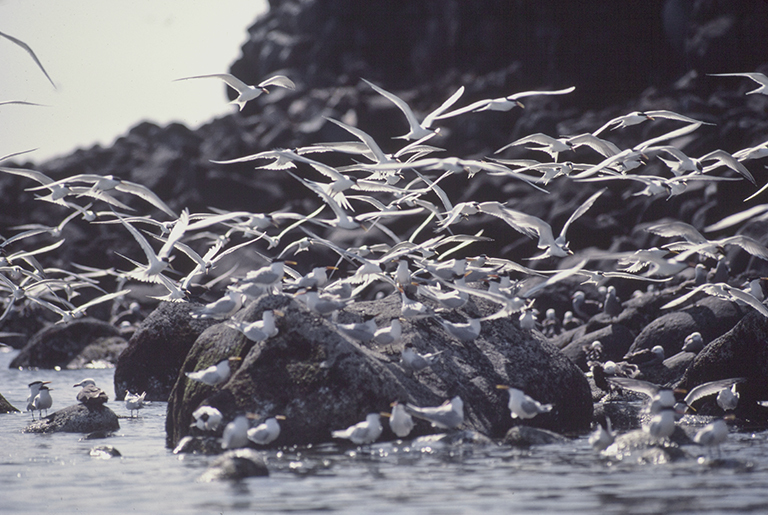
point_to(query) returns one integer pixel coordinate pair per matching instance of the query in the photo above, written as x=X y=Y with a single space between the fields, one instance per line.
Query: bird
x=247 y=92
x=215 y=374
x=612 y=305
x=323 y=305
x=360 y=331
x=660 y=398
x=389 y=334
x=712 y=435
x=448 y=415
x=206 y=418
x=362 y=433
x=400 y=421
x=727 y=387
x=757 y=77
x=31 y=53
x=527 y=319
x=521 y=405
x=34 y=389
x=646 y=357
x=221 y=308
x=728 y=398
x=267 y=276
x=418 y=130
x=584 y=308
x=42 y=400
x=693 y=342
x=235 y=433
x=266 y=432
x=695 y=242
x=662 y=424
x=636 y=117
x=259 y=330
x=682 y=164
x=134 y=401
x=724 y=291
x=503 y=103
x=603 y=436
x=413 y=361
x=90 y=395
x=463 y=331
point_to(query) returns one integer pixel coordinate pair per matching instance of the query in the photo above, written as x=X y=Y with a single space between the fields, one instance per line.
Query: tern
x=246 y=92
x=90 y=394
x=206 y=418
x=603 y=436
x=400 y=421
x=757 y=77
x=31 y=53
x=729 y=400
x=235 y=433
x=418 y=130
x=412 y=360
x=365 y=432
x=696 y=242
x=389 y=335
x=215 y=374
x=521 y=405
x=222 y=308
x=723 y=291
x=448 y=415
x=637 y=117
x=693 y=342
x=502 y=103
x=712 y=435
x=259 y=330
x=134 y=401
x=464 y=331
x=360 y=331
x=34 y=389
x=266 y=432
x=42 y=400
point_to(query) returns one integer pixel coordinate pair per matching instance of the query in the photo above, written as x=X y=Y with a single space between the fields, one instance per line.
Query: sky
x=113 y=63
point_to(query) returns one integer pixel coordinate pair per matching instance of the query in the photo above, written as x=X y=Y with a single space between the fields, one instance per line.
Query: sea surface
x=56 y=473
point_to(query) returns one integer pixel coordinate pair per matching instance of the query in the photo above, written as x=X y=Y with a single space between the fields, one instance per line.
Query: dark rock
x=61 y=344
x=156 y=351
x=615 y=339
x=102 y=352
x=104 y=452
x=198 y=445
x=236 y=464
x=524 y=436
x=5 y=406
x=741 y=352
x=322 y=381
x=76 y=419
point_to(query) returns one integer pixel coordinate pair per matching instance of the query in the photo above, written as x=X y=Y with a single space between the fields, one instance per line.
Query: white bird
x=400 y=421
x=360 y=331
x=31 y=53
x=34 y=389
x=134 y=401
x=712 y=435
x=207 y=418
x=235 y=433
x=414 y=361
x=418 y=130
x=521 y=405
x=683 y=164
x=259 y=330
x=662 y=424
x=266 y=432
x=215 y=374
x=693 y=342
x=602 y=437
x=715 y=387
x=502 y=103
x=42 y=400
x=723 y=291
x=660 y=398
x=389 y=335
x=448 y=415
x=757 y=77
x=728 y=398
x=464 y=331
x=696 y=242
x=636 y=117
x=365 y=432
x=221 y=308
x=323 y=305
x=246 y=92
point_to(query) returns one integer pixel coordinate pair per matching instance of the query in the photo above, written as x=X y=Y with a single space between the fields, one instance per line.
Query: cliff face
x=621 y=56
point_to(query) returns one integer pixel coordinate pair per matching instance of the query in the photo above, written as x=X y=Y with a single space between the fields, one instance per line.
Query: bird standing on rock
x=521 y=405
x=448 y=415
x=365 y=432
x=34 y=389
x=42 y=400
x=266 y=432
x=215 y=374
x=91 y=395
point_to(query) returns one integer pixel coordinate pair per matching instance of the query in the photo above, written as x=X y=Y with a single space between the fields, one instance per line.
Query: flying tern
x=246 y=92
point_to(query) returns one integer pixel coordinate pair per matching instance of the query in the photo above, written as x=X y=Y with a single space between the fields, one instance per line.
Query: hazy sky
x=113 y=63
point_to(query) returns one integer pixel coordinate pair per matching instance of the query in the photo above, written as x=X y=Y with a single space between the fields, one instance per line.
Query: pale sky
x=113 y=63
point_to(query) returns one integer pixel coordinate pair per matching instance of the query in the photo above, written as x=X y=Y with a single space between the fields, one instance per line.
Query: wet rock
x=61 y=344
x=198 y=445
x=615 y=339
x=741 y=352
x=76 y=419
x=5 y=406
x=638 y=445
x=104 y=452
x=524 y=436
x=156 y=351
x=236 y=464
x=322 y=381
x=103 y=352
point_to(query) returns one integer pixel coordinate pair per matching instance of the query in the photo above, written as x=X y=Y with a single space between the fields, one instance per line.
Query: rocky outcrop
x=76 y=419
x=66 y=345
x=6 y=407
x=322 y=381
x=156 y=351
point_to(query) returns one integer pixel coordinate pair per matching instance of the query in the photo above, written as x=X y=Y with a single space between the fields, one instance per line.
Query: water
x=55 y=473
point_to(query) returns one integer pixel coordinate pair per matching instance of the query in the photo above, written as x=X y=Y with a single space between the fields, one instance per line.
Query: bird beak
x=293 y=263
x=280 y=417
x=278 y=313
x=502 y=387
x=385 y=414
x=519 y=104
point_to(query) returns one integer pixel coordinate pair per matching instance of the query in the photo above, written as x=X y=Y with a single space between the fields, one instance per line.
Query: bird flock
x=371 y=192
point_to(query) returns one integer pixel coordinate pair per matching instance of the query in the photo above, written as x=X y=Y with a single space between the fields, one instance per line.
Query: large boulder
x=156 y=351
x=322 y=381
x=60 y=345
x=77 y=418
x=5 y=406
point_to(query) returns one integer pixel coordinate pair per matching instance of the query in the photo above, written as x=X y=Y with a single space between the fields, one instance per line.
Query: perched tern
x=266 y=432
x=712 y=435
x=400 y=421
x=521 y=405
x=389 y=335
x=448 y=415
x=464 y=331
x=412 y=360
x=34 y=389
x=757 y=77
x=364 y=432
x=206 y=418
x=215 y=374
x=42 y=400
x=246 y=92
x=259 y=330
x=693 y=342
x=361 y=331
x=235 y=433
x=134 y=401
x=222 y=308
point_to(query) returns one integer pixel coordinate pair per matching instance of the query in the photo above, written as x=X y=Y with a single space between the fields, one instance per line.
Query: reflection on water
x=55 y=473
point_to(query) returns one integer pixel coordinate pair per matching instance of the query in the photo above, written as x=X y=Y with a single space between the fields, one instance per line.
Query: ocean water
x=56 y=474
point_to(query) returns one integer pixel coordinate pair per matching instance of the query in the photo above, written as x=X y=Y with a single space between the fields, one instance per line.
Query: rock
x=741 y=352
x=100 y=353
x=638 y=445
x=524 y=436
x=236 y=464
x=322 y=381
x=5 y=406
x=198 y=445
x=104 y=452
x=61 y=344
x=156 y=351
x=76 y=419
x=615 y=339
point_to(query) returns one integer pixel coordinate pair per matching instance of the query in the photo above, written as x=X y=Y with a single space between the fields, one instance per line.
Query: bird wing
x=676 y=228
x=366 y=138
x=230 y=79
x=431 y=117
x=604 y=147
x=400 y=103
x=277 y=80
x=539 y=138
x=29 y=50
x=179 y=228
x=524 y=94
x=728 y=160
x=146 y=194
x=636 y=385
x=583 y=208
x=755 y=76
x=710 y=388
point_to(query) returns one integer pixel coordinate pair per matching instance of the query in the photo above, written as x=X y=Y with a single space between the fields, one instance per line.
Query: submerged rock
x=76 y=419
x=236 y=464
x=524 y=436
x=639 y=446
x=322 y=381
